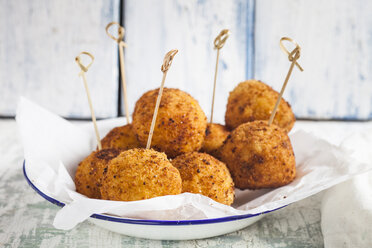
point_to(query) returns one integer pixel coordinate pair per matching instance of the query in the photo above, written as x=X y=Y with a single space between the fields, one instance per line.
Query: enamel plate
x=163 y=229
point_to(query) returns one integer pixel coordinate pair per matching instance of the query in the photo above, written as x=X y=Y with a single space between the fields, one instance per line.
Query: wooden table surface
x=26 y=218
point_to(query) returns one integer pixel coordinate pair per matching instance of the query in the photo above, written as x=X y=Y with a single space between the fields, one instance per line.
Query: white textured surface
x=347 y=207
x=155 y=27
x=26 y=218
x=347 y=214
x=39 y=41
x=335 y=37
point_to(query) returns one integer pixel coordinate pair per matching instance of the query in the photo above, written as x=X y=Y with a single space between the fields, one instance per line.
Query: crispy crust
x=259 y=156
x=203 y=174
x=180 y=124
x=215 y=135
x=122 y=138
x=138 y=174
x=253 y=100
x=90 y=171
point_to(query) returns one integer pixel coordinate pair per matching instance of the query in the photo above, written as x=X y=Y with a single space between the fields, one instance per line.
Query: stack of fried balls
x=190 y=155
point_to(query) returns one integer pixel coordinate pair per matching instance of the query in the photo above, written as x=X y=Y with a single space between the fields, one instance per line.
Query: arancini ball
x=215 y=135
x=139 y=174
x=254 y=100
x=259 y=156
x=180 y=124
x=90 y=171
x=121 y=137
x=203 y=174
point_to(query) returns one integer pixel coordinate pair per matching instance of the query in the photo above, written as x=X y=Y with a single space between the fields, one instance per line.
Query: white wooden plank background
x=336 y=41
x=38 y=43
x=39 y=40
x=335 y=37
x=155 y=27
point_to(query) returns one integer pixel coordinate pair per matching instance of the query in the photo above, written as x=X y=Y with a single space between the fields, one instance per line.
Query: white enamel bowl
x=163 y=229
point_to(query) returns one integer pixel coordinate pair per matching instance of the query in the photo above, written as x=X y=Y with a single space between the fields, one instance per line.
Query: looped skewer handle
x=122 y=44
x=121 y=32
x=295 y=54
x=168 y=58
x=220 y=40
x=84 y=68
x=292 y=57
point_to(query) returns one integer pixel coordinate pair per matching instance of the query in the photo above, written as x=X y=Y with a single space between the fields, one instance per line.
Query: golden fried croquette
x=90 y=171
x=180 y=124
x=215 y=135
x=121 y=137
x=138 y=174
x=253 y=100
x=259 y=156
x=203 y=174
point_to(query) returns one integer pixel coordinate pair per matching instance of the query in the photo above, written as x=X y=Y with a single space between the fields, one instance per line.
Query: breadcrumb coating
x=139 y=174
x=259 y=156
x=180 y=124
x=121 y=137
x=203 y=174
x=89 y=173
x=254 y=100
x=215 y=135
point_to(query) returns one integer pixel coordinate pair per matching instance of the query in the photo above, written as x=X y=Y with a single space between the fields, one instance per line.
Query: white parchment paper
x=53 y=147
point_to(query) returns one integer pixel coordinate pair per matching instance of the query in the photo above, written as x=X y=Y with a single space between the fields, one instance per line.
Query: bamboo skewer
x=84 y=69
x=121 y=45
x=219 y=42
x=164 y=68
x=292 y=57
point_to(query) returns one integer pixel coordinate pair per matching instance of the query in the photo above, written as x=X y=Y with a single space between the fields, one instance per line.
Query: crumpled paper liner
x=53 y=147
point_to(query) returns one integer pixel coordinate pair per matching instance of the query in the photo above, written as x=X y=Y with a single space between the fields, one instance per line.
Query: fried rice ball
x=253 y=100
x=138 y=174
x=121 y=137
x=89 y=173
x=203 y=174
x=259 y=156
x=180 y=124
x=215 y=135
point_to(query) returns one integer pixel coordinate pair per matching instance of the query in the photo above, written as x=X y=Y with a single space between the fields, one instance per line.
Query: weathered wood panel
x=336 y=42
x=38 y=43
x=155 y=27
x=41 y=38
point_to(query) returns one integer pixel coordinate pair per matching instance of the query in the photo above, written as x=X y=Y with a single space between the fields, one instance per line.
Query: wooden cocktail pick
x=168 y=58
x=219 y=42
x=121 y=44
x=292 y=57
x=84 y=69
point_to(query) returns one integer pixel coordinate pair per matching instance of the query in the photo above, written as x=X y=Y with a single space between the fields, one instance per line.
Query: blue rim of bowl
x=148 y=222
